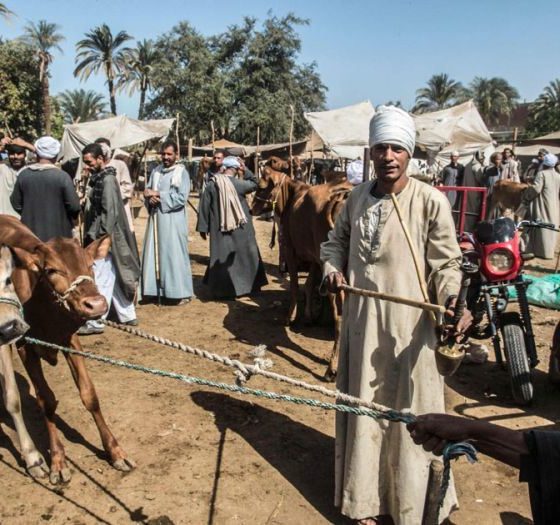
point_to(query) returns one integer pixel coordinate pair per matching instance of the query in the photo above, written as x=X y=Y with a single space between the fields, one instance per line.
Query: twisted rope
x=451 y=451
x=244 y=371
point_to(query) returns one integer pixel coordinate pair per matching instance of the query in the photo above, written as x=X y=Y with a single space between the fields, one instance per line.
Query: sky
x=377 y=50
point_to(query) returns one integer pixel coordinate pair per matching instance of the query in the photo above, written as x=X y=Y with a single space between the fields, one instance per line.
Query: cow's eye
x=50 y=271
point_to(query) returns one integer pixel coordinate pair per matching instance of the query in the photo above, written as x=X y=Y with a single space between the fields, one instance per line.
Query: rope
x=244 y=371
x=451 y=451
x=12 y=302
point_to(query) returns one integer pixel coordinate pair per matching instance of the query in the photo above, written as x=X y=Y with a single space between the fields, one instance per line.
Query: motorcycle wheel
x=516 y=356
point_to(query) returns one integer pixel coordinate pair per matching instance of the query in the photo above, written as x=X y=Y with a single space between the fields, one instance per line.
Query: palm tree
x=79 y=105
x=101 y=50
x=493 y=97
x=44 y=38
x=137 y=72
x=544 y=113
x=441 y=92
x=5 y=12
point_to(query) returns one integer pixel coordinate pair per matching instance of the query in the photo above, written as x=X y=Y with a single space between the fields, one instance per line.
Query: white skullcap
x=392 y=125
x=231 y=162
x=355 y=172
x=106 y=151
x=550 y=160
x=455 y=154
x=47 y=148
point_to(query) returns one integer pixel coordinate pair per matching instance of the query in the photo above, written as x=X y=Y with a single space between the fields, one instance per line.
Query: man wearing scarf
x=166 y=195
x=17 y=151
x=387 y=350
x=44 y=194
x=117 y=274
x=541 y=200
x=235 y=267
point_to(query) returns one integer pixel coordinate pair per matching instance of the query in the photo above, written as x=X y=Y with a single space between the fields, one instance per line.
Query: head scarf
x=47 y=148
x=392 y=125
x=106 y=151
x=231 y=162
x=550 y=160
x=355 y=172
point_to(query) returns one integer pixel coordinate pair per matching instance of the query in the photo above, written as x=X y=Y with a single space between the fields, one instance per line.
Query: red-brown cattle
x=59 y=295
x=306 y=215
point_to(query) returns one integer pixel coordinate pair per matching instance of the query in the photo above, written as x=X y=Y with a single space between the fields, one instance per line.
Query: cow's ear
x=99 y=249
x=27 y=260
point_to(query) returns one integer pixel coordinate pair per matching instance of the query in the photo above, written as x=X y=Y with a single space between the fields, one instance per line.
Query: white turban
x=392 y=125
x=106 y=151
x=231 y=162
x=550 y=160
x=47 y=148
x=355 y=172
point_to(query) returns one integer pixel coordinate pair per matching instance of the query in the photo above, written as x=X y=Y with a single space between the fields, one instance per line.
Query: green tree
x=100 y=50
x=544 y=113
x=79 y=105
x=44 y=37
x=5 y=12
x=20 y=96
x=241 y=79
x=138 y=70
x=441 y=92
x=493 y=97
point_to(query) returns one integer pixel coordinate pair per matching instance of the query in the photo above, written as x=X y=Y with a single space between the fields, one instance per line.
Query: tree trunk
x=111 y=85
x=142 y=102
x=46 y=102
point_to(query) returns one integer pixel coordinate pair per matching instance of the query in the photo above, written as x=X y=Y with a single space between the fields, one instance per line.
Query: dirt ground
x=207 y=457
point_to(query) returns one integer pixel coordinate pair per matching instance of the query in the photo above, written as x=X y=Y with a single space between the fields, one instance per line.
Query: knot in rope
x=63 y=298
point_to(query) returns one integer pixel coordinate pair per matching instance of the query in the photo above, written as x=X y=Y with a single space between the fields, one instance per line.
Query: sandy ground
x=207 y=457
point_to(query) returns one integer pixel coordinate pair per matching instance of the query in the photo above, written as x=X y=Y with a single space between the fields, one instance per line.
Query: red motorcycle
x=492 y=255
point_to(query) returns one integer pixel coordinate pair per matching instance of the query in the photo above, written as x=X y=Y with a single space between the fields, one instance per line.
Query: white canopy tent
x=121 y=131
x=344 y=131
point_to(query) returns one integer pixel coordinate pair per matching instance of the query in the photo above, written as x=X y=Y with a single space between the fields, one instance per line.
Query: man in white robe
x=17 y=150
x=387 y=350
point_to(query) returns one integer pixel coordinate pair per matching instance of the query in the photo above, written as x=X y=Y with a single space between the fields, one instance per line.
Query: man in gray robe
x=117 y=274
x=452 y=175
x=8 y=172
x=44 y=194
x=386 y=349
x=542 y=201
x=166 y=195
x=235 y=267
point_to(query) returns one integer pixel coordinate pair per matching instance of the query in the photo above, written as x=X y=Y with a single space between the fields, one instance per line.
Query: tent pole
x=291 y=139
x=513 y=142
x=257 y=173
x=213 y=136
x=366 y=164
x=312 y=165
x=177 y=135
x=190 y=148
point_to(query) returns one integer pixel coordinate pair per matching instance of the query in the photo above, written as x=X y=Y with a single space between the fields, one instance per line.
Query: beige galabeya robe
x=387 y=350
x=544 y=197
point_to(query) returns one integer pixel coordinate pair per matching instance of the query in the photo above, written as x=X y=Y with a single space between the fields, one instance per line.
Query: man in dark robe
x=45 y=196
x=452 y=175
x=118 y=273
x=235 y=266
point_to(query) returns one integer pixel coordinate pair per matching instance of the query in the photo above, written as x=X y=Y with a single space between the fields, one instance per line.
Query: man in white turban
x=387 y=349
x=541 y=200
x=44 y=195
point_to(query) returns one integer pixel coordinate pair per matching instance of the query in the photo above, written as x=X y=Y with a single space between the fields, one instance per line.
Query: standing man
x=217 y=161
x=452 y=175
x=387 y=350
x=44 y=194
x=235 y=267
x=541 y=200
x=493 y=172
x=123 y=178
x=166 y=195
x=117 y=274
x=17 y=150
x=510 y=166
x=535 y=166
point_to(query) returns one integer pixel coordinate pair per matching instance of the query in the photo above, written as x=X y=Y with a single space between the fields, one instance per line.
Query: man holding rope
x=388 y=227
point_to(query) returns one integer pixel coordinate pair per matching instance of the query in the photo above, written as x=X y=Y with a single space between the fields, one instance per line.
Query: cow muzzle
x=92 y=307
x=12 y=330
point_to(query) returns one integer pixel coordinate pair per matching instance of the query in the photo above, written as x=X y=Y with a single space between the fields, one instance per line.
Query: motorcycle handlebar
x=537 y=224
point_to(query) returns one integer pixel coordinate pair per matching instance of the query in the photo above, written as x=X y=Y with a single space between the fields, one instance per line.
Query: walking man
x=44 y=194
x=117 y=274
x=386 y=349
x=166 y=196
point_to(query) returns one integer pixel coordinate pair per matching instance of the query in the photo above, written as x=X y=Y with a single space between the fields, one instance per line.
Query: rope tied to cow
x=451 y=451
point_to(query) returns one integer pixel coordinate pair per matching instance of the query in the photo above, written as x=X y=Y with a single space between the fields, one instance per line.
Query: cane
x=156 y=252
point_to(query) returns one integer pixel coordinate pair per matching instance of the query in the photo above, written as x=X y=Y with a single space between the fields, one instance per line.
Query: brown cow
x=306 y=215
x=13 y=326
x=506 y=195
x=203 y=167
x=59 y=295
x=278 y=164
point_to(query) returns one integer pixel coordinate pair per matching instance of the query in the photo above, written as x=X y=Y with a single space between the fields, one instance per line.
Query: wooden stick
x=291 y=140
x=430 y=307
x=156 y=253
x=213 y=136
x=365 y=169
x=190 y=148
x=419 y=275
x=431 y=504
x=257 y=152
x=177 y=135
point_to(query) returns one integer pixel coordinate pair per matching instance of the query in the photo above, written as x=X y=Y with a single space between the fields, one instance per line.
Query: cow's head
x=268 y=191
x=12 y=324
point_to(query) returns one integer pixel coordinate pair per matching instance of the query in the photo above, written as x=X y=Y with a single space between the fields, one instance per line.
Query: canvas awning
x=552 y=139
x=344 y=131
x=122 y=131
